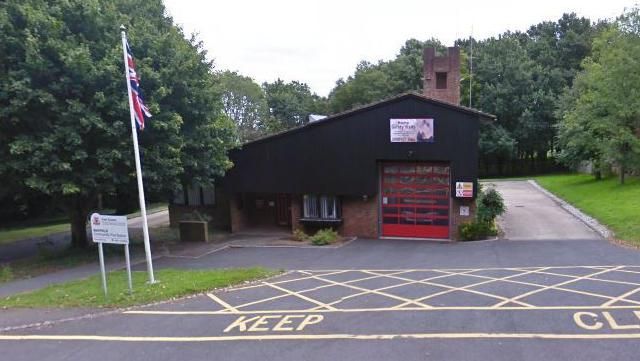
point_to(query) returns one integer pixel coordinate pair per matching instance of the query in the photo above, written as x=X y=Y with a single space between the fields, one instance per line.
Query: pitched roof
x=332 y=117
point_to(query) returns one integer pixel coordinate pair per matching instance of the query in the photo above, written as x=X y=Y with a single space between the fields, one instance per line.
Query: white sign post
x=113 y=230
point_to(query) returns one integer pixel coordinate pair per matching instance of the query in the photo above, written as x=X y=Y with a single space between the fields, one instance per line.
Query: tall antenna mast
x=470 y=64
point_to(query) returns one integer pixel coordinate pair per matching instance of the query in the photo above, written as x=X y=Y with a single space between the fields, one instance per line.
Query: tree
x=245 y=103
x=496 y=146
x=290 y=104
x=601 y=119
x=374 y=82
x=504 y=76
x=64 y=118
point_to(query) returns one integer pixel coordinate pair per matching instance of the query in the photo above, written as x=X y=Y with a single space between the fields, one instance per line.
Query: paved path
x=379 y=300
x=532 y=215
x=59 y=241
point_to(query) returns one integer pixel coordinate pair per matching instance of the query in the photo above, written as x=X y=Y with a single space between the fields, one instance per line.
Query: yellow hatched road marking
x=622 y=297
x=554 y=287
x=527 y=294
x=330 y=272
x=308 y=299
x=387 y=309
x=595 y=279
x=451 y=289
x=407 y=302
x=339 y=336
x=305 y=290
x=375 y=292
x=222 y=303
x=341 y=299
x=467 y=269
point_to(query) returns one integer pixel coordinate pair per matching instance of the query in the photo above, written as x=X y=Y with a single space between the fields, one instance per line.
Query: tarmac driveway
x=379 y=300
x=531 y=215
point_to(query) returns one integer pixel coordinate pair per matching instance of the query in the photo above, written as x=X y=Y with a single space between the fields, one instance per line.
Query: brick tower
x=442 y=75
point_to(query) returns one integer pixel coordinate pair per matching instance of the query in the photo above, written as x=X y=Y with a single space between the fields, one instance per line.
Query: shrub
x=300 y=236
x=490 y=206
x=475 y=230
x=324 y=237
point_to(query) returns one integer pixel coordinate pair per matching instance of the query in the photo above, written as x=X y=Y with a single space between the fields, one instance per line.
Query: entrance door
x=415 y=200
x=283 y=211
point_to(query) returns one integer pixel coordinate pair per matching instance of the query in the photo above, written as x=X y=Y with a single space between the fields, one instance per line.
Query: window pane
x=407 y=169
x=390 y=220
x=391 y=169
x=310 y=206
x=423 y=169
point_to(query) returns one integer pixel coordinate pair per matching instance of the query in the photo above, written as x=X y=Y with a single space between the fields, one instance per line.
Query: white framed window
x=320 y=206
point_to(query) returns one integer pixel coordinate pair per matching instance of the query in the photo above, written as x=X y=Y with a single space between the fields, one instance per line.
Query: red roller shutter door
x=415 y=200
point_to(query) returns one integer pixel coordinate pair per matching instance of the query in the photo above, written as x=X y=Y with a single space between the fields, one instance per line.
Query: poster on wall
x=411 y=130
x=464 y=189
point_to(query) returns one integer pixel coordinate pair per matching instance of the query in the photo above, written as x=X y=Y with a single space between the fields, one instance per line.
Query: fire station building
x=402 y=167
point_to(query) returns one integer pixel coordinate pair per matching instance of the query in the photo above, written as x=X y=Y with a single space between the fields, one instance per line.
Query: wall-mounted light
x=365 y=197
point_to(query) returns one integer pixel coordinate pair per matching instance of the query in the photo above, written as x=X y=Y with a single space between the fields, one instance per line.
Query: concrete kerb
x=589 y=221
x=336 y=246
x=229 y=245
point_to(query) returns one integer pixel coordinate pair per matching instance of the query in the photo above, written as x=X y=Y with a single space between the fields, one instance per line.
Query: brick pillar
x=456 y=219
x=360 y=217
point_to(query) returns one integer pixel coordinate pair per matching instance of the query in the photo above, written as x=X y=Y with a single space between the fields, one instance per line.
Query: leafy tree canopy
x=64 y=118
x=601 y=114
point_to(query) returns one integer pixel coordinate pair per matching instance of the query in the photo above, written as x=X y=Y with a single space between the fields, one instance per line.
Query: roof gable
x=370 y=106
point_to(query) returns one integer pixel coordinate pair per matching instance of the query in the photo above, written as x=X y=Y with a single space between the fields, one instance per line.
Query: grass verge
x=173 y=283
x=614 y=205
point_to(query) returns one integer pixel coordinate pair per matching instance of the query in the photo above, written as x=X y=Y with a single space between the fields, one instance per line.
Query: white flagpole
x=134 y=132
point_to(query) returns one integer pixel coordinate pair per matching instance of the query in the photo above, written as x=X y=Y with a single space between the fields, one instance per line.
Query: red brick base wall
x=359 y=217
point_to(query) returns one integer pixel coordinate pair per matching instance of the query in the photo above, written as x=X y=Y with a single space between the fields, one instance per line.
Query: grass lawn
x=173 y=283
x=614 y=205
x=57 y=225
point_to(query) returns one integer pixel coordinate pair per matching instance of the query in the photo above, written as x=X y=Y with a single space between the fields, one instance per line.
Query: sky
x=318 y=42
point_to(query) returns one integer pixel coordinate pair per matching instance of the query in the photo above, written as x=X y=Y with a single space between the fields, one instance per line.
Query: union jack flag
x=139 y=109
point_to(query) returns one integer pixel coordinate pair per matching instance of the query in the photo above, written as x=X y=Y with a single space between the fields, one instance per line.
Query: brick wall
x=456 y=218
x=449 y=64
x=359 y=217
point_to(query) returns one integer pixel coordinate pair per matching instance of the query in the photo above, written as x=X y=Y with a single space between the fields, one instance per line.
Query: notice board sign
x=109 y=229
x=417 y=130
x=464 y=189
